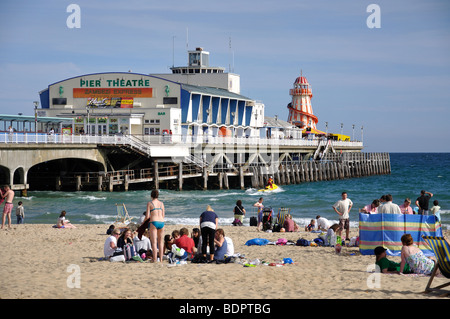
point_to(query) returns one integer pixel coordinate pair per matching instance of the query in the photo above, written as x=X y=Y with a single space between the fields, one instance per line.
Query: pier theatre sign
x=112 y=92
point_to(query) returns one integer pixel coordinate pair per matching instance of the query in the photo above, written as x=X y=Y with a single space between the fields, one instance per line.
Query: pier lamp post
x=87 y=124
x=36 y=104
x=353 y=129
x=362 y=129
x=342 y=128
x=326 y=129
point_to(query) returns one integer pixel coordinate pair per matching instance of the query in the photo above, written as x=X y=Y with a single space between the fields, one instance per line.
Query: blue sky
x=393 y=80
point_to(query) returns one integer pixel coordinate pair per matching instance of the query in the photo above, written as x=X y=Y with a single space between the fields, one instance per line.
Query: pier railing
x=143 y=141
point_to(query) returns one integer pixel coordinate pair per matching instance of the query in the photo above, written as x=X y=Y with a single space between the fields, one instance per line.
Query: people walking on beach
x=156 y=213
x=20 y=213
x=342 y=207
x=208 y=225
x=8 y=196
x=260 y=206
x=389 y=207
x=422 y=202
x=406 y=208
x=239 y=211
x=415 y=258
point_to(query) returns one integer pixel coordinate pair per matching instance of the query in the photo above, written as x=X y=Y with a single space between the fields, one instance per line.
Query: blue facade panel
x=195 y=106
x=241 y=112
x=184 y=104
x=233 y=109
x=215 y=109
x=248 y=115
x=45 y=99
x=205 y=106
x=224 y=110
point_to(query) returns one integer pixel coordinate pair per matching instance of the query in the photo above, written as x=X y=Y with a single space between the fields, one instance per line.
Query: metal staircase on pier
x=196 y=160
x=323 y=148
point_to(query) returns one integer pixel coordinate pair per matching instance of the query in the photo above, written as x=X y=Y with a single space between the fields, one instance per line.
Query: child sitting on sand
x=311 y=226
x=388 y=266
x=330 y=237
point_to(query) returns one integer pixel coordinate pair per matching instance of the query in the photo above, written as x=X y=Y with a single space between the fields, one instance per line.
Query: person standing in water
x=156 y=212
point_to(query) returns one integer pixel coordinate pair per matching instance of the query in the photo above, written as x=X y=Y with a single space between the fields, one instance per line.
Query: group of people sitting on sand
x=204 y=245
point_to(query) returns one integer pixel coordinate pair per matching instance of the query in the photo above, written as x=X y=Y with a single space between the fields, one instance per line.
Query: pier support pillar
x=126 y=182
x=220 y=177
x=156 y=174
x=180 y=176
x=205 y=178
x=78 y=185
x=58 y=183
x=241 y=177
x=225 y=180
x=100 y=183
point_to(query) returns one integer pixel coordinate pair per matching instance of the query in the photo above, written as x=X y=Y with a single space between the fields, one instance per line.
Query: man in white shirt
x=111 y=243
x=389 y=207
x=342 y=208
x=322 y=223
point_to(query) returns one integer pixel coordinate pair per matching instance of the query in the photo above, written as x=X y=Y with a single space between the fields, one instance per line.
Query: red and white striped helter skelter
x=300 y=109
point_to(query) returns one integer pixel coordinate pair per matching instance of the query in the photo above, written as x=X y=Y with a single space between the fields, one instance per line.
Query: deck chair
x=122 y=218
x=282 y=213
x=441 y=249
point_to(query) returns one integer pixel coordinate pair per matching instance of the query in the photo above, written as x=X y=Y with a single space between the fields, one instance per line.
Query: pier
x=121 y=162
x=178 y=175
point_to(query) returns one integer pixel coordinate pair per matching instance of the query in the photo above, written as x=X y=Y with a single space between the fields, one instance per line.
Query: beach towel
x=257 y=241
x=141 y=229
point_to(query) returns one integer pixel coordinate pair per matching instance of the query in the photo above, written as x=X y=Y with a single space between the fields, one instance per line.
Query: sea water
x=410 y=173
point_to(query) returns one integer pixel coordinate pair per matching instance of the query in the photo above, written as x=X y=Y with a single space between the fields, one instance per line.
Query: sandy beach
x=40 y=262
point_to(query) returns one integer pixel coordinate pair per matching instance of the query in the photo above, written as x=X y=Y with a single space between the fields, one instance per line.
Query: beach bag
x=237 y=222
x=303 y=242
x=276 y=228
x=128 y=251
x=177 y=254
x=253 y=221
x=117 y=258
x=319 y=241
x=281 y=241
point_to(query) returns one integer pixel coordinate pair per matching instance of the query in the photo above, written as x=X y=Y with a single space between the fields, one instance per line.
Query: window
x=170 y=100
x=152 y=131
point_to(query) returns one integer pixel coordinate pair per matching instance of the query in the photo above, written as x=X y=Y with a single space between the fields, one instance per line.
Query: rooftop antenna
x=187 y=39
x=231 y=63
x=173 y=51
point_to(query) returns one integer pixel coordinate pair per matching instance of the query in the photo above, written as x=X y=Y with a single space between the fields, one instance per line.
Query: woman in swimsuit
x=414 y=257
x=155 y=211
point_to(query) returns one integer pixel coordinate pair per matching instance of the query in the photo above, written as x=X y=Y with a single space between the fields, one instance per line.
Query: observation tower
x=300 y=109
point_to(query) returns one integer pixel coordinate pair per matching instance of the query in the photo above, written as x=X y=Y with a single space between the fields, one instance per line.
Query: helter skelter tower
x=300 y=109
